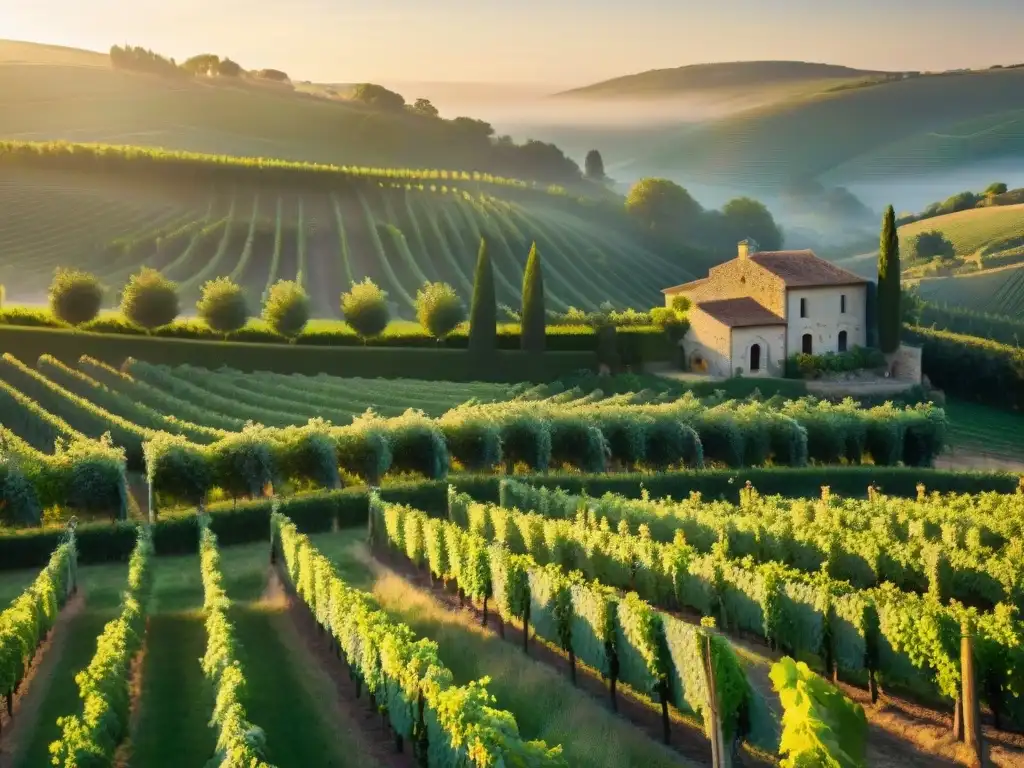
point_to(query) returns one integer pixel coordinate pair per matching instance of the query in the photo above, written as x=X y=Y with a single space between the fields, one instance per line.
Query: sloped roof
x=740 y=313
x=685 y=286
x=803 y=269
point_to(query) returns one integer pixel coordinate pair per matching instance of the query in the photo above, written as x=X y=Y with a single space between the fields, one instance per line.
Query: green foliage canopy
x=75 y=296
x=888 y=304
x=928 y=245
x=222 y=305
x=439 y=309
x=365 y=308
x=286 y=309
x=663 y=207
x=820 y=726
x=149 y=299
x=483 y=316
x=533 y=317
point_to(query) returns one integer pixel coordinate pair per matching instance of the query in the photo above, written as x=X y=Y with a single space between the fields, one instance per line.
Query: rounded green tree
x=75 y=296
x=365 y=309
x=150 y=300
x=286 y=309
x=439 y=309
x=222 y=305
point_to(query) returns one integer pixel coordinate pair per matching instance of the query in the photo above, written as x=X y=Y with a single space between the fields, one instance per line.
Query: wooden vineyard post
x=971 y=708
x=958 y=716
x=719 y=757
x=526 y=630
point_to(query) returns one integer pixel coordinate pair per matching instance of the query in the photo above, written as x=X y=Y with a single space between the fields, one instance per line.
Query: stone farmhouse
x=752 y=312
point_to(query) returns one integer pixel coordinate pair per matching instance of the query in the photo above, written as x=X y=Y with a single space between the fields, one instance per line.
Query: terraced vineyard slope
x=398 y=234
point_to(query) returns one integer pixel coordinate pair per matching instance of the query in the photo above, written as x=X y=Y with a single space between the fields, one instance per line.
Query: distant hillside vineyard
x=112 y=210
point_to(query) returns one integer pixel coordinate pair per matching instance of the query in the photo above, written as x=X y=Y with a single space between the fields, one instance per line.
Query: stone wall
x=772 y=343
x=825 y=318
x=905 y=364
x=741 y=278
x=709 y=341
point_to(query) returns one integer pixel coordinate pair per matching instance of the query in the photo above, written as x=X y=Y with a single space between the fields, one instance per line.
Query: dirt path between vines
x=901 y=734
x=125 y=750
x=686 y=737
x=347 y=712
x=36 y=684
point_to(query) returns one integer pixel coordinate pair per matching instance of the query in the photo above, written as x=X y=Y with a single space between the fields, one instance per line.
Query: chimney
x=747 y=247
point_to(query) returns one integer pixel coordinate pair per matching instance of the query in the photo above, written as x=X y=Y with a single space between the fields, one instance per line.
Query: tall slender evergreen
x=888 y=304
x=483 y=314
x=533 y=318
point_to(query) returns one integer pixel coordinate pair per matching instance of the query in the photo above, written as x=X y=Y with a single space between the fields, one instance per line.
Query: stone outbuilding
x=752 y=312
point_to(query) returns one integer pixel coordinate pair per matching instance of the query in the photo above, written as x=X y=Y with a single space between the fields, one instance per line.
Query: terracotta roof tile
x=685 y=286
x=802 y=269
x=740 y=313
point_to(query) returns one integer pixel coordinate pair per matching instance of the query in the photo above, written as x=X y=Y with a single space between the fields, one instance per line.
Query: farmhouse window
x=803 y=307
x=842 y=304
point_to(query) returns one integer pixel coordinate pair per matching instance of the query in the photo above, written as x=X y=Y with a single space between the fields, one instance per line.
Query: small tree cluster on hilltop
x=202 y=65
x=209 y=64
x=142 y=60
x=674 y=217
x=532 y=159
x=275 y=75
x=378 y=97
x=962 y=201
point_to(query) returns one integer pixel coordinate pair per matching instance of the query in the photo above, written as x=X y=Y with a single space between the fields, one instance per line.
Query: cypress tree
x=483 y=314
x=888 y=303
x=533 y=318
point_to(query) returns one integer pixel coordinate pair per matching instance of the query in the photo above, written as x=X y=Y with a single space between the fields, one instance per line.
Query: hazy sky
x=565 y=42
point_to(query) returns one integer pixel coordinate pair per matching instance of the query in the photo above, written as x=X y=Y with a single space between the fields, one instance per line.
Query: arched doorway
x=808 y=344
x=842 y=341
x=755 y=358
x=698 y=364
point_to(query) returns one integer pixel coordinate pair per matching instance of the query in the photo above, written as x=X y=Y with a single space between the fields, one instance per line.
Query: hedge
x=634 y=345
x=430 y=364
x=248 y=521
x=971 y=368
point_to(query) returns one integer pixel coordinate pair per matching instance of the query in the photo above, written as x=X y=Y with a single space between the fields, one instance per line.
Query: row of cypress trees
x=483 y=313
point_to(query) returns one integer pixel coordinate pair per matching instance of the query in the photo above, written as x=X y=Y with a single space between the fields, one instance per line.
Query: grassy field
x=400 y=236
x=972 y=230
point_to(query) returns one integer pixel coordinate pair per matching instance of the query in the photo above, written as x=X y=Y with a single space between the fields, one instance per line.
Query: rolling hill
x=855 y=130
x=978 y=233
x=323 y=231
x=990 y=241
x=50 y=93
x=733 y=78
